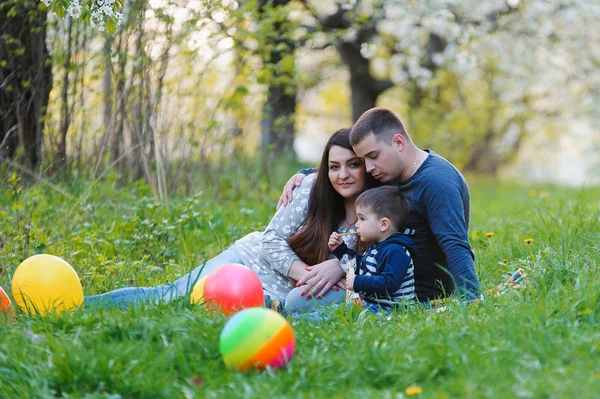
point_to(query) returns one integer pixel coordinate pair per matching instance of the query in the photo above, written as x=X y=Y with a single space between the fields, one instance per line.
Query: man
x=440 y=206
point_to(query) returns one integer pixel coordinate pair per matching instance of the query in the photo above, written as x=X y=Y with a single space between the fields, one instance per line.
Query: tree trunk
x=107 y=87
x=80 y=81
x=25 y=79
x=279 y=111
x=65 y=114
x=278 y=120
x=138 y=122
x=364 y=88
x=116 y=139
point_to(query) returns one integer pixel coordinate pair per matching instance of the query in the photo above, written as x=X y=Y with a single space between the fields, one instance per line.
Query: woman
x=294 y=241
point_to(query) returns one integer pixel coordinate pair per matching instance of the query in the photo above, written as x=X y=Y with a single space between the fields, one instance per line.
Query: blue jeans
x=296 y=303
x=125 y=297
x=315 y=309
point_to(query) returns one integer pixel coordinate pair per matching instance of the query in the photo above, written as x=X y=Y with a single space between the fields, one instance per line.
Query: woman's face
x=346 y=172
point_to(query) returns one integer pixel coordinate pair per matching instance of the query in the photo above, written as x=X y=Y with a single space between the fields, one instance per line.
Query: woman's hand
x=286 y=196
x=321 y=278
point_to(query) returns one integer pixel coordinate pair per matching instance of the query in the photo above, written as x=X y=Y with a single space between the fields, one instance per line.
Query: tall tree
x=279 y=109
x=65 y=108
x=25 y=78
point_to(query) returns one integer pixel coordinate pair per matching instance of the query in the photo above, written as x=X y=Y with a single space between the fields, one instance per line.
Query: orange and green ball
x=257 y=338
x=5 y=304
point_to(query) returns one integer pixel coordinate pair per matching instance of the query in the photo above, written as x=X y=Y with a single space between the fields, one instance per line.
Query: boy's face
x=368 y=225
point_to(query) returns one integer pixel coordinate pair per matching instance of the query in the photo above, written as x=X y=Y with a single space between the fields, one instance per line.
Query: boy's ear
x=384 y=224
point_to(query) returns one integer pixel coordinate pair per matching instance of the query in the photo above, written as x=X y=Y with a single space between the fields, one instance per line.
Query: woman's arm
x=297 y=270
x=322 y=277
x=275 y=250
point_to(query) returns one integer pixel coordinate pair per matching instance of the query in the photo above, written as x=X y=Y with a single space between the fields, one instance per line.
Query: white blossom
x=347 y=4
x=368 y=50
x=100 y=10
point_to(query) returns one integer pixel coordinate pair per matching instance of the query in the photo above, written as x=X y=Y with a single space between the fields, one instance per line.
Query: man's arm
x=307 y=171
x=290 y=185
x=447 y=220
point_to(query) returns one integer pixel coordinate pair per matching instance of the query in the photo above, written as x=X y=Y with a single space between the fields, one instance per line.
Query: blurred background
x=174 y=92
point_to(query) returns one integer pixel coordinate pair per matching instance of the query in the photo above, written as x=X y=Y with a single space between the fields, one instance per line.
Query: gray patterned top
x=268 y=253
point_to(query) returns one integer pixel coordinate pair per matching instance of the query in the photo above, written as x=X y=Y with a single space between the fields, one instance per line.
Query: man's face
x=382 y=160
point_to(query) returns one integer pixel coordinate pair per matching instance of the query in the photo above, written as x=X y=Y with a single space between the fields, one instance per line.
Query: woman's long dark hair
x=326 y=208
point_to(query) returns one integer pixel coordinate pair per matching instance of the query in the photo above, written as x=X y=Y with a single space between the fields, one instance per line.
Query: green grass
x=541 y=341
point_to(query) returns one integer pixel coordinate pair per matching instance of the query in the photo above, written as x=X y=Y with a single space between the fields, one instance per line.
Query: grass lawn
x=539 y=341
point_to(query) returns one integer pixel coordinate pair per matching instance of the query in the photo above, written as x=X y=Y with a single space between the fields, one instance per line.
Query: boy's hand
x=334 y=241
x=350 y=281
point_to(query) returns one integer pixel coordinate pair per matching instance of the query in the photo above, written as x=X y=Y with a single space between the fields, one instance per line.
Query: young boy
x=385 y=271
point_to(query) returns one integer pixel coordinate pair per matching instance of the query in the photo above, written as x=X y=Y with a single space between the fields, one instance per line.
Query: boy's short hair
x=386 y=202
x=381 y=123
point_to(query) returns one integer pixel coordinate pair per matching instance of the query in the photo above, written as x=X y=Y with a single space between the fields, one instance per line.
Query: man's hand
x=286 y=196
x=334 y=241
x=321 y=278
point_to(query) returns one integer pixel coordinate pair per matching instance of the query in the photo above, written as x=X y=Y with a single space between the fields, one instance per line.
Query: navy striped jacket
x=385 y=274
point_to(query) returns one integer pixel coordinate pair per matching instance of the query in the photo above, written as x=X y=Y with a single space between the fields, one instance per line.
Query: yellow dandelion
x=532 y=193
x=489 y=235
x=585 y=312
x=528 y=240
x=413 y=390
x=544 y=194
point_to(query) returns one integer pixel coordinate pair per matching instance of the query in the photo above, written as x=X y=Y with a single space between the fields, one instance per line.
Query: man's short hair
x=386 y=202
x=380 y=122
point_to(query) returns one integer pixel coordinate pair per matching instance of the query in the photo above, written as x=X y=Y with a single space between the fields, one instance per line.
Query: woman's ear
x=384 y=224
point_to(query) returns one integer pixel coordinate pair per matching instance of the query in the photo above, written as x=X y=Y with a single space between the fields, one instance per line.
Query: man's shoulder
x=440 y=164
x=439 y=174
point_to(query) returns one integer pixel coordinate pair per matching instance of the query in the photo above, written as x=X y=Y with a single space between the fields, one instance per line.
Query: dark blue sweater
x=440 y=205
x=385 y=272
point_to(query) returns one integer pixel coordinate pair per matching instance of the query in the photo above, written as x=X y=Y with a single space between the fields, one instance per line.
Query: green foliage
x=538 y=341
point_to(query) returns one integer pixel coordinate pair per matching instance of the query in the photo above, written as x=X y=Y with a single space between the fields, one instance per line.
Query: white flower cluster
x=100 y=9
x=547 y=34
x=74 y=8
x=347 y=4
x=368 y=50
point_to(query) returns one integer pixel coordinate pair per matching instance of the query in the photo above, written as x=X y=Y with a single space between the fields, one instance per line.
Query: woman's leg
x=164 y=293
x=296 y=303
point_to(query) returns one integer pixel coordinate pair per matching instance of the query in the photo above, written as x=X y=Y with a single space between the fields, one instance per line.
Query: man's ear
x=384 y=224
x=398 y=141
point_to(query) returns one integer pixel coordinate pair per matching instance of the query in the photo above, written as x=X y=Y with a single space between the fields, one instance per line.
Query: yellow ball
x=44 y=283
x=197 y=295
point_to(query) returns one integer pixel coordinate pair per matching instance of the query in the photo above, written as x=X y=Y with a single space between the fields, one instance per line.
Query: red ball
x=232 y=287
